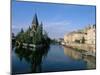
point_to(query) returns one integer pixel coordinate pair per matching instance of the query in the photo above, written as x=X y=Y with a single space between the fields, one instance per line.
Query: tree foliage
x=32 y=37
x=34 y=34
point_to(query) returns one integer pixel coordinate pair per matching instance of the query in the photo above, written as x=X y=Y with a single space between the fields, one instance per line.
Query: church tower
x=35 y=23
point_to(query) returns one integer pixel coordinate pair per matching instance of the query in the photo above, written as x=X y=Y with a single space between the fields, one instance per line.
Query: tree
x=33 y=35
x=39 y=34
x=83 y=40
x=46 y=39
x=22 y=31
x=20 y=36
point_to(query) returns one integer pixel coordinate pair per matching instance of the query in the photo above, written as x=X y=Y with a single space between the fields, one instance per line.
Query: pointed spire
x=35 y=20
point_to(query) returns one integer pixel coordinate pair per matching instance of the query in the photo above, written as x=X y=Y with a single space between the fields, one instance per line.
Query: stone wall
x=85 y=47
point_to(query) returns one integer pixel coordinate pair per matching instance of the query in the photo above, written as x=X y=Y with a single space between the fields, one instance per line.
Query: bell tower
x=35 y=22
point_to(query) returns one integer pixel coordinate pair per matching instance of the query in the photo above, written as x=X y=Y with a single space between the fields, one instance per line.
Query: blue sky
x=58 y=19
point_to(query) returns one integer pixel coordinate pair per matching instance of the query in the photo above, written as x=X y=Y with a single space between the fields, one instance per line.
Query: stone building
x=87 y=35
x=91 y=35
x=74 y=37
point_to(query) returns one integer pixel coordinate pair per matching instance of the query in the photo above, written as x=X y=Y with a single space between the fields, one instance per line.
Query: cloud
x=56 y=24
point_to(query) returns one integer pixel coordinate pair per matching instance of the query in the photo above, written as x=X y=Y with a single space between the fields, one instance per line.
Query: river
x=50 y=59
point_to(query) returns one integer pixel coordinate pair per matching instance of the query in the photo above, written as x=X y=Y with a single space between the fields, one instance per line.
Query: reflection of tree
x=33 y=57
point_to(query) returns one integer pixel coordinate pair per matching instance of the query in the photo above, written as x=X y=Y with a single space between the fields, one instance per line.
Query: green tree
x=83 y=40
x=20 y=37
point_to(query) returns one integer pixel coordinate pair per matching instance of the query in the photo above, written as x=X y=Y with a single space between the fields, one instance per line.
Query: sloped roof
x=35 y=20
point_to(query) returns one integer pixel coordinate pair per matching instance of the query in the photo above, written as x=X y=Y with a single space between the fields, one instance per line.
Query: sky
x=57 y=19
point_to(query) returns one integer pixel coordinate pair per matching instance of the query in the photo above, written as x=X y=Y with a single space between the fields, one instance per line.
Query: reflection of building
x=76 y=55
x=91 y=62
x=72 y=53
x=86 y=35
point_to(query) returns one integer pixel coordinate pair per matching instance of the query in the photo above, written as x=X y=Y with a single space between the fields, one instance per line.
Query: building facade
x=74 y=37
x=91 y=35
x=86 y=35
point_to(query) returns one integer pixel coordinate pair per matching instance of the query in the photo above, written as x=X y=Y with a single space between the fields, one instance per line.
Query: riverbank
x=31 y=46
x=88 y=49
x=52 y=59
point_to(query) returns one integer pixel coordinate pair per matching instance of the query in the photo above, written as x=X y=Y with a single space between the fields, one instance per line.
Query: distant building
x=74 y=37
x=86 y=35
x=60 y=40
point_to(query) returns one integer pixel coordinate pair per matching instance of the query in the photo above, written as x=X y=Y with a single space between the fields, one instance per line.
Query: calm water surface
x=50 y=59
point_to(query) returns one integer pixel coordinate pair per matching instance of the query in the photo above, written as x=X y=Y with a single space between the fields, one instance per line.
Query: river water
x=50 y=59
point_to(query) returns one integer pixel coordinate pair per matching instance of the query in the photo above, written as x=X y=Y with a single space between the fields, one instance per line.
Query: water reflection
x=91 y=62
x=72 y=53
x=55 y=58
x=76 y=55
x=32 y=56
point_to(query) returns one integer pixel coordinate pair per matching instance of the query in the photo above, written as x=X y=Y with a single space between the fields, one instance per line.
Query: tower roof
x=35 y=20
